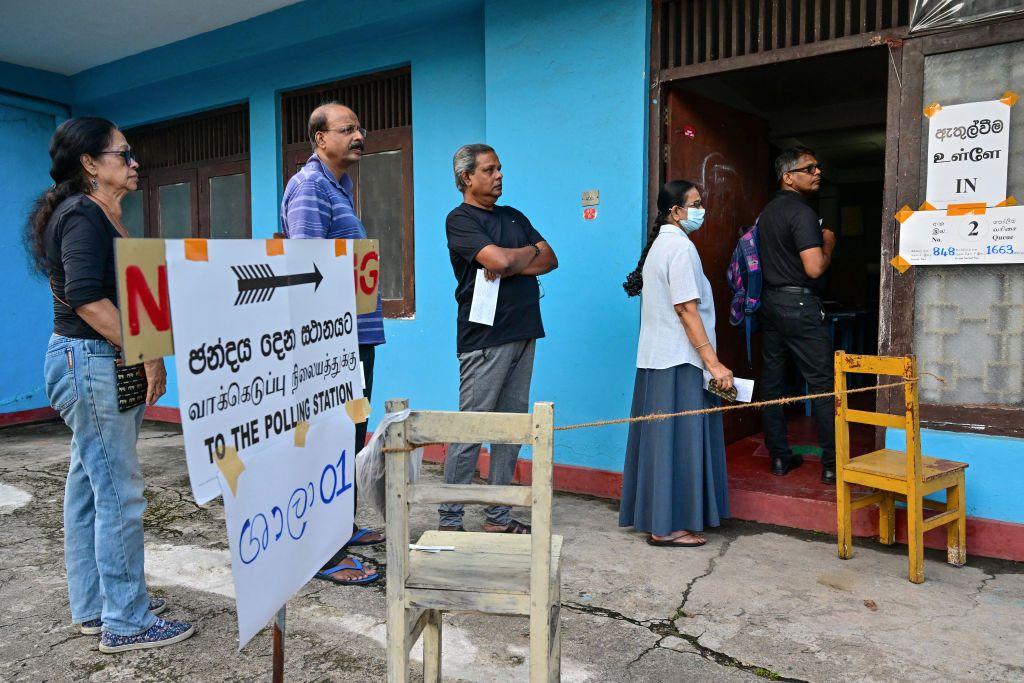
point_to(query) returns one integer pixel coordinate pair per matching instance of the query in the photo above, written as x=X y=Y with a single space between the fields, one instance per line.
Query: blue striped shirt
x=315 y=205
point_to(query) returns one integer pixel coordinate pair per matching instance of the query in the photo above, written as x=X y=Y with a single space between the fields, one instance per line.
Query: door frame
x=207 y=172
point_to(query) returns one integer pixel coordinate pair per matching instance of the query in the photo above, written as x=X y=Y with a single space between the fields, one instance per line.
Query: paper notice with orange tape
x=960 y=235
x=968 y=151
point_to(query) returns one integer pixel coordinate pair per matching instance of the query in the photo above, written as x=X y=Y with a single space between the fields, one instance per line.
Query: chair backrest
x=430 y=427
x=910 y=421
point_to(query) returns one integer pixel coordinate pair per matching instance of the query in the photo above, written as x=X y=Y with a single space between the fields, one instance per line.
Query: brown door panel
x=725 y=151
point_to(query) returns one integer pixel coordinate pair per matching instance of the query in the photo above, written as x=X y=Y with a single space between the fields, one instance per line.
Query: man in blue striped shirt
x=318 y=204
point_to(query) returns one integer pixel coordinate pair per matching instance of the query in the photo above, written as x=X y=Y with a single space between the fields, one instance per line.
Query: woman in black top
x=71 y=233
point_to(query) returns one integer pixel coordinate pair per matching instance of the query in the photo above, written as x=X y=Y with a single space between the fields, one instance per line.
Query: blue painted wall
x=25 y=130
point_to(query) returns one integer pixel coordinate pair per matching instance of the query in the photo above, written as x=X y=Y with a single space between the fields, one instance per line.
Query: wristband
x=536 y=249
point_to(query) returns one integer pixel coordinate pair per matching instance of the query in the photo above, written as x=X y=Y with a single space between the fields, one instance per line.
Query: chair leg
x=844 y=521
x=887 y=519
x=398 y=650
x=540 y=642
x=432 y=647
x=555 y=659
x=956 y=531
x=915 y=538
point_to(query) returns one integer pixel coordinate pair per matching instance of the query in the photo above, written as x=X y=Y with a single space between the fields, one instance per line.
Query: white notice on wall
x=968 y=152
x=991 y=235
x=485 y=299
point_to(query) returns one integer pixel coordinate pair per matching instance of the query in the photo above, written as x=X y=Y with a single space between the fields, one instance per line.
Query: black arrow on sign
x=258 y=283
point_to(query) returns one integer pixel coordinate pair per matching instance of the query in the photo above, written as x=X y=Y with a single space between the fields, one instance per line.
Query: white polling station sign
x=268 y=382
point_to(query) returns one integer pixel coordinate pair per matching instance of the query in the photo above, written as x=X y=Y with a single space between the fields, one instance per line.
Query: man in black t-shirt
x=795 y=253
x=495 y=361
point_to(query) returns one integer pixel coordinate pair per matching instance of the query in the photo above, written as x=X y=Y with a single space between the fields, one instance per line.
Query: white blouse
x=672 y=275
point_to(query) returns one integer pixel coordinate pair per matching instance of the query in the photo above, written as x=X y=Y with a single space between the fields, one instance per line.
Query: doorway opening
x=724 y=131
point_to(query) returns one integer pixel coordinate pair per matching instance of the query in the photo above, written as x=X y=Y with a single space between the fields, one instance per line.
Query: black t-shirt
x=517 y=316
x=787 y=226
x=79 y=242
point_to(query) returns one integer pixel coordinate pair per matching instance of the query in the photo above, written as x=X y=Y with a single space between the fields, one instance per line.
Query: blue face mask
x=694 y=219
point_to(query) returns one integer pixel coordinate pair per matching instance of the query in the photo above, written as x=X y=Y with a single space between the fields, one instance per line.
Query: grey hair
x=786 y=161
x=465 y=161
x=318 y=120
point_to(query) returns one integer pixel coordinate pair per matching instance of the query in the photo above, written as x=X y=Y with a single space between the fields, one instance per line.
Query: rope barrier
x=657 y=417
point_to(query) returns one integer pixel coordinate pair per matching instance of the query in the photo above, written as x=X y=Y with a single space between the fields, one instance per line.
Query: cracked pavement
x=755 y=603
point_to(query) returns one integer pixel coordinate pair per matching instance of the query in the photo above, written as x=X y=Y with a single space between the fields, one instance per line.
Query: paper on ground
x=485 y=299
x=744 y=387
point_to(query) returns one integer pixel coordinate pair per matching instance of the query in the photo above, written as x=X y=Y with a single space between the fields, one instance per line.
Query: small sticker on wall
x=589 y=213
x=690 y=132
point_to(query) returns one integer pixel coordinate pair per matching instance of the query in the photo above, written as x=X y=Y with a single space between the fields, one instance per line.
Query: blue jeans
x=103 y=502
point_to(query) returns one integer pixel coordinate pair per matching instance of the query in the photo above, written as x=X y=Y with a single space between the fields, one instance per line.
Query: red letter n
x=138 y=290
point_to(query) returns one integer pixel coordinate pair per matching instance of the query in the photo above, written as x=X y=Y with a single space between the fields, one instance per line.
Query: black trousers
x=366 y=355
x=793 y=326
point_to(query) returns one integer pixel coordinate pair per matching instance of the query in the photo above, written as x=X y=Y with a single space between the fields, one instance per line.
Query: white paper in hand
x=485 y=299
x=744 y=387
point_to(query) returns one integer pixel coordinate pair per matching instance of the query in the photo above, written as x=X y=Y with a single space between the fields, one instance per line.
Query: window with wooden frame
x=193 y=177
x=382 y=180
x=964 y=323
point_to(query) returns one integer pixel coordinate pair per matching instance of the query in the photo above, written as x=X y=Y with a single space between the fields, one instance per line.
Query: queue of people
x=674 y=479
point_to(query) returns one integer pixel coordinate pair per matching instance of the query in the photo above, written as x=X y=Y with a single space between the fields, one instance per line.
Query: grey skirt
x=674 y=476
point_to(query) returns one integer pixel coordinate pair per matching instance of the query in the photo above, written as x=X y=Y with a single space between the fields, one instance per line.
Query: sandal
x=674 y=542
x=326 y=574
x=514 y=527
x=361 y=534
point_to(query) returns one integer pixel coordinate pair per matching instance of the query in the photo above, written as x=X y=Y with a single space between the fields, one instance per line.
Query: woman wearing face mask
x=674 y=482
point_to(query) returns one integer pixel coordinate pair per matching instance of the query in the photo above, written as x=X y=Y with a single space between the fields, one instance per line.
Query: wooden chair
x=896 y=475
x=490 y=573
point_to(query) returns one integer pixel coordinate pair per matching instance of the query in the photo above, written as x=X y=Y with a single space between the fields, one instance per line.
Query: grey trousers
x=495 y=379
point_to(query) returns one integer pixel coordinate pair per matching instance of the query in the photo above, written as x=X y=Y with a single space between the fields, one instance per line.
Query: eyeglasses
x=810 y=169
x=125 y=154
x=347 y=130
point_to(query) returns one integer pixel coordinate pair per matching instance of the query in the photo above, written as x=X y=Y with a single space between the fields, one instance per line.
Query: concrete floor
x=755 y=602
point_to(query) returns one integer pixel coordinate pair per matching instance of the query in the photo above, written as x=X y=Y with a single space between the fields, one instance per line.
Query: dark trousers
x=366 y=355
x=793 y=326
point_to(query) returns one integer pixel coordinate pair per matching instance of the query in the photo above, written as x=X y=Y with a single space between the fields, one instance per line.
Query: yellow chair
x=896 y=475
x=491 y=573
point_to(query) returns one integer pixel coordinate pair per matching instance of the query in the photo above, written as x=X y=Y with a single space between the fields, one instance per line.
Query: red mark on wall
x=138 y=290
x=589 y=214
x=690 y=132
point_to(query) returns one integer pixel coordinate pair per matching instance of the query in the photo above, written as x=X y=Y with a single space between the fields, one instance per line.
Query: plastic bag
x=371 y=468
x=928 y=15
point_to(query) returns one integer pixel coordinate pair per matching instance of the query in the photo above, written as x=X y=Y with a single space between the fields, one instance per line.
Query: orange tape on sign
x=900 y=264
x=932 y=109
x=904 y=213
x=925 y=206
x=1009 y=201
x=964 y=209
x=195 y=250
x=340 y=248
x=1009 y=98
x=275 y=247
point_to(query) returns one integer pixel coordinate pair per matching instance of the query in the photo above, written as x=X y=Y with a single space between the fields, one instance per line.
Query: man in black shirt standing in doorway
x=495 y=361
x=795 y=253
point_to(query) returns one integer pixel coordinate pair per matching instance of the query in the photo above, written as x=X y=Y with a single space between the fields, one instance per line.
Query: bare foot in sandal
x=347 y=570
x=682 y=539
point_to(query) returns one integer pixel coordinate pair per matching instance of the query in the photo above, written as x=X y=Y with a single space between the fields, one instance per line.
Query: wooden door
x=726 y=152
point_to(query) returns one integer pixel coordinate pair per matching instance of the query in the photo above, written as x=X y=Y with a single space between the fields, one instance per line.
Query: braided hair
x=672 y=193
x=72 y=139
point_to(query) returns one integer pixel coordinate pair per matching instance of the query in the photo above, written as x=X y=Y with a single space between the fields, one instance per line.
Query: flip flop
x=362 y=533
x=325 y=574
x=674 y=542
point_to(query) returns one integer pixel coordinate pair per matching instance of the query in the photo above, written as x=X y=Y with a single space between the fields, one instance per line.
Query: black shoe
x=782 y=466
x=828 y=475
